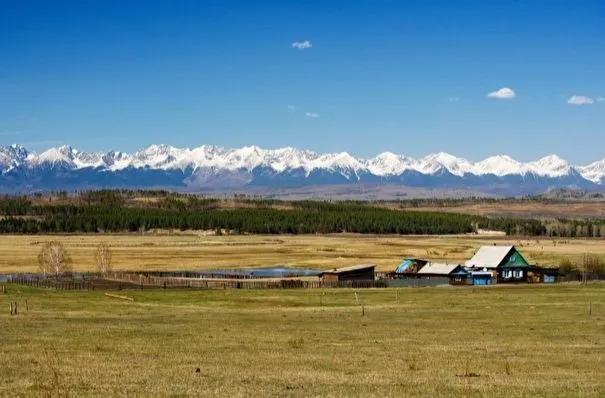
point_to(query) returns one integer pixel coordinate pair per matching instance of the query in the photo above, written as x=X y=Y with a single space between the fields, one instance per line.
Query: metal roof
x=489 y=256
x=438 y=269
x=349 y=269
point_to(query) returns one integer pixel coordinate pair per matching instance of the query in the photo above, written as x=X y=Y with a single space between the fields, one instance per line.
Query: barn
x=363 y=272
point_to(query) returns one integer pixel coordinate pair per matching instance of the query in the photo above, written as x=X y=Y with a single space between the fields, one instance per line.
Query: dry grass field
x=538 y=341
x=529 y=209
x=193 y=251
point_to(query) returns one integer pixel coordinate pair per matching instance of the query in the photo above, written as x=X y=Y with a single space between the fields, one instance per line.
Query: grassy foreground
x=18 y=253
x=496 y=342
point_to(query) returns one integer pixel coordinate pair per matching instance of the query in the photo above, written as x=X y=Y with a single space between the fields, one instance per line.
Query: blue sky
x=409 y=77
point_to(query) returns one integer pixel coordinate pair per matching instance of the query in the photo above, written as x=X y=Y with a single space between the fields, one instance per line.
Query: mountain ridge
x=209 y=166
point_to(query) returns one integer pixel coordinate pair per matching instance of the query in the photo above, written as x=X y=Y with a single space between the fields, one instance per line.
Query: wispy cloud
x=600 y=99
x=503 y=93
x=312 y=114
x=292 y=107
x=10 y=133
x=39 y=144
x=580 y=100
x=453 y=99
x=302 y=45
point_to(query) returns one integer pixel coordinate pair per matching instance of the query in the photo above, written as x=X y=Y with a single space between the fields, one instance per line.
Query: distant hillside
x=575 y=194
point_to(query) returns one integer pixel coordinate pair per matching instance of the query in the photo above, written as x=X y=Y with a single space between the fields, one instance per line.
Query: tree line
x=112 y=211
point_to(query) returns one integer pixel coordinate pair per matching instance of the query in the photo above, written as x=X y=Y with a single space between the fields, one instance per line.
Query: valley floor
x=195 y=251
x=441 y=342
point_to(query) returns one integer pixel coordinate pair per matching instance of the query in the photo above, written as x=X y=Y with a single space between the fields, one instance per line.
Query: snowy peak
x=12 y=156
x=389 y=164
x=63 y=155
x=498 y=165
x=550 y=166
x=594 y=172
x=439 y=162
x=213 y=159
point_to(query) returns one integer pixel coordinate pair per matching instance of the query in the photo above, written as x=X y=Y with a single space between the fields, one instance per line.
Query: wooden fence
x=139 y=279
x=120 y=281
x=73 y=284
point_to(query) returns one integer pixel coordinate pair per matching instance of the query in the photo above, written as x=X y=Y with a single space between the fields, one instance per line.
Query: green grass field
x=492 y=342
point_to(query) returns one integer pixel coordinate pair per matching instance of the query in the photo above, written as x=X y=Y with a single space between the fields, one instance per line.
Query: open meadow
x=18 y=253
x=521 y=209
x=498 y=342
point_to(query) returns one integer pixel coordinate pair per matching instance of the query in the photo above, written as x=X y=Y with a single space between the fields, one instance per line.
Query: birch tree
x=103 y=258
x=53 y=259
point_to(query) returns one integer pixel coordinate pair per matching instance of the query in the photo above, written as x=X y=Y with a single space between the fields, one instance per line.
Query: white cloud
x=301 y=45
x=600 y=99
x=312 y=114
x=503 y=93
x=580 y=100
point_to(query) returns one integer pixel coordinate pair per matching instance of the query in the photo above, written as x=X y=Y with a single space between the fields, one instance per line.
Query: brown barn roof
x=349 y=269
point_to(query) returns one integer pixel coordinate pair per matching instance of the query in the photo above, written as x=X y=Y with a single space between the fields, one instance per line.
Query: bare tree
x=103 y=258
x=53 y=259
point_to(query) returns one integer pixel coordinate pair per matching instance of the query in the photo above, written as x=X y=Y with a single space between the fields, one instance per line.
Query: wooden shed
x=352 y=273
x=438 y=272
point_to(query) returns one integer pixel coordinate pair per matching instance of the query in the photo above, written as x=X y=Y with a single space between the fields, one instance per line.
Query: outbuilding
x=466 y=276
x=439 y=272
x=410 y=265
x=363 y=272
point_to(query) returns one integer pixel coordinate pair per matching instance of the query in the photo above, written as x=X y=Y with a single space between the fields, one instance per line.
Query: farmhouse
x=352 y=273
x=489 y=265
x=508 y=265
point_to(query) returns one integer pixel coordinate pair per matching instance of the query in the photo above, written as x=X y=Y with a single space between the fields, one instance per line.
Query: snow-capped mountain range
x=209 y=167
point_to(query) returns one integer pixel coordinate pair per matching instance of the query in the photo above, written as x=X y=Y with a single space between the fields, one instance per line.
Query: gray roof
x=437 y=269
x=489 y=256
x=349 y=269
